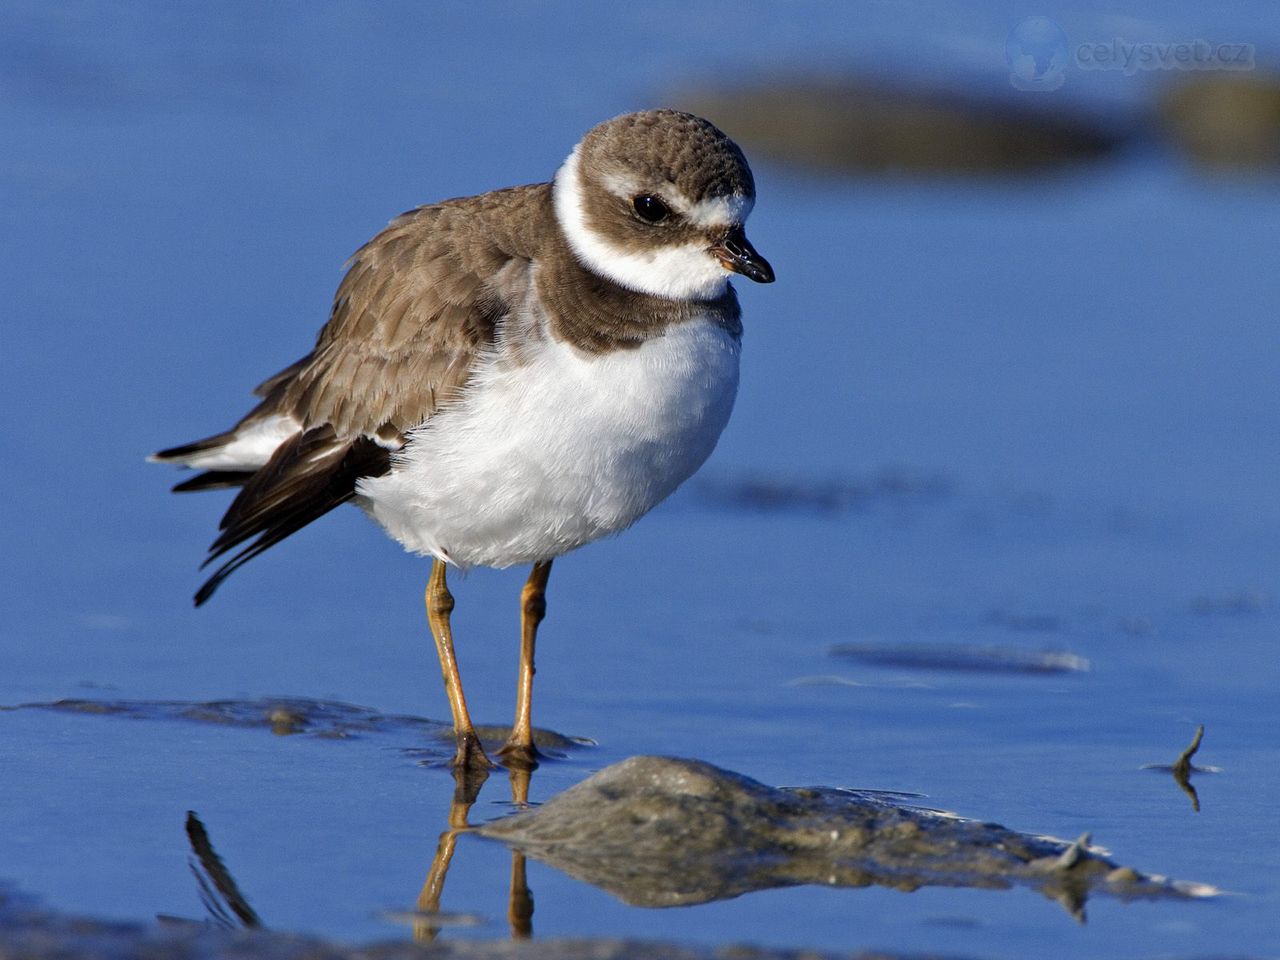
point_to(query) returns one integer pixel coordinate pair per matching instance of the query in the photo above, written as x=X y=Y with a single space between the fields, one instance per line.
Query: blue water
x=1087 y=361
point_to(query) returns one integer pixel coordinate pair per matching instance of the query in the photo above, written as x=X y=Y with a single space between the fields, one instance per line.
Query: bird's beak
x=736 y=253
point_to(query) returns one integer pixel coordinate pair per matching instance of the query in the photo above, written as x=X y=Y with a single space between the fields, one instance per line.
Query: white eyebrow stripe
x=619 y=184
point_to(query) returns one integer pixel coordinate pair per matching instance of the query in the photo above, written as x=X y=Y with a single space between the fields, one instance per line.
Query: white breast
x=542 y=456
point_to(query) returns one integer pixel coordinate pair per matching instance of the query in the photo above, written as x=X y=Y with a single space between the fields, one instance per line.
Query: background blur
x=1015 y=385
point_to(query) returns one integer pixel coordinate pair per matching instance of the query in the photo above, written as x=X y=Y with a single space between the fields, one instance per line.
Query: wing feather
x=419 y=305
x=308 y=476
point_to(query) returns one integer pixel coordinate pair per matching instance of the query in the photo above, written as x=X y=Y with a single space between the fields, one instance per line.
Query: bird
x=506 y=377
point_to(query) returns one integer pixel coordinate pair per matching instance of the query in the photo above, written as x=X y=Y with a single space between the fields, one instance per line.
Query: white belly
x=541 y=457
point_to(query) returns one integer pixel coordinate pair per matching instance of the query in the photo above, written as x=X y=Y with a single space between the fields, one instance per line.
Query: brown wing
x=408 y=322
x=419 y=304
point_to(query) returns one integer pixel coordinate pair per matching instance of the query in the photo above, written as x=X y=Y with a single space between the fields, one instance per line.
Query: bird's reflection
x=468 y=783
x=228 y=907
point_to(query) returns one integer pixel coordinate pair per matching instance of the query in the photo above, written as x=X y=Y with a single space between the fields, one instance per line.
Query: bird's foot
x=470 y=755
x=519 y=755
x=471 y=766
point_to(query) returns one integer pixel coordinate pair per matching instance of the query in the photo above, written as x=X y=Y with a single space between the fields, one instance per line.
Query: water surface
x=1079 y=370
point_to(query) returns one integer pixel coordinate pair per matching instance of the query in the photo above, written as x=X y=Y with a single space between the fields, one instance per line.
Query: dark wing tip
x=308 y=475
x=207 y=589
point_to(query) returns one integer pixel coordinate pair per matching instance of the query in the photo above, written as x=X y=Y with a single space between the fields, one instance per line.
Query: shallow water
x=1071 y=379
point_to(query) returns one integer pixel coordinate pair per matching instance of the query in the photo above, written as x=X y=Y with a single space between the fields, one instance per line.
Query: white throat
x=688 y=272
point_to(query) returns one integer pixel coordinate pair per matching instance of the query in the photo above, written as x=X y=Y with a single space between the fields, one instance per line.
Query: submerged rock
x=661 y=832
x=28 y=932
x=285 y=716
x=978 y=658
x=861 y=125
x=765 y=493
x=1225 y=121
x=302 y=716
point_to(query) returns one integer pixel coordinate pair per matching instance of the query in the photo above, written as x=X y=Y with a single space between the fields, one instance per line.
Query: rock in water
x=660 y=831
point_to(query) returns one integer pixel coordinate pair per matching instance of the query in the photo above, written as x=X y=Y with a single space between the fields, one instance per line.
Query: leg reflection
x=432 y=888
x=520 y=902
x=519 y=897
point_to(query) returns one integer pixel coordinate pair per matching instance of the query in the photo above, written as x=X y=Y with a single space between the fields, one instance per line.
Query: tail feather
x=188 y=450
x=288 y=475
x=248 y=446
x=309 y=475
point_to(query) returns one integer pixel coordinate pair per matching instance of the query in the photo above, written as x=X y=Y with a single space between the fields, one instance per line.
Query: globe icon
x=1037 y=54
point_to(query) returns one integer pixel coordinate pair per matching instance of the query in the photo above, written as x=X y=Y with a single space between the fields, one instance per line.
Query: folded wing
x=417 y=308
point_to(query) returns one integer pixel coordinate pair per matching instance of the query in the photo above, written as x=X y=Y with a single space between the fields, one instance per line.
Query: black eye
x=651 y=208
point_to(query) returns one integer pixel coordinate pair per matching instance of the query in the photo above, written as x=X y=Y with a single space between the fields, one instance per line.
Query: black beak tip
x=741 y=257
x=760 y=271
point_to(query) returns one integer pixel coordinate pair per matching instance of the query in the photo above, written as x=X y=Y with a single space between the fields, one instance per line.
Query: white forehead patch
x=685 y=272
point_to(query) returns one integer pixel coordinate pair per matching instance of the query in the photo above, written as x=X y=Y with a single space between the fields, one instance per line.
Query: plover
x=506 y=377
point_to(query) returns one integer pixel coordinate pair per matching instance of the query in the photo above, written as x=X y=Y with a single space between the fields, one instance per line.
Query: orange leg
x=519 y=750
x=470 y=754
